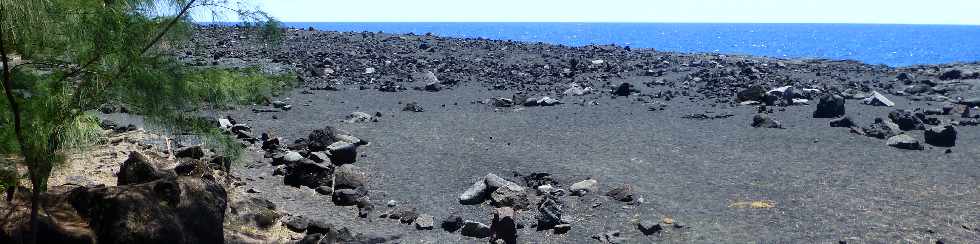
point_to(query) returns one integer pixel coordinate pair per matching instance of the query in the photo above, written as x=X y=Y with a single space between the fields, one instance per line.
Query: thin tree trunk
x=35 y=206
x=15 y=110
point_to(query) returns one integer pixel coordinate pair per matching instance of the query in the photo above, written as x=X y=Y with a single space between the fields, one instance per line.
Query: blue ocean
x=893 y=45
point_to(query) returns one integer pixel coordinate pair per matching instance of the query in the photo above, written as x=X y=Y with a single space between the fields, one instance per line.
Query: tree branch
x=170 y=25
x=74 y=72
x=8 y=86
x=159 y=36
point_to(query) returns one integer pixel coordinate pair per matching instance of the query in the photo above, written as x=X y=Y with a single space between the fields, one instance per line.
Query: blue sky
x=962 y=12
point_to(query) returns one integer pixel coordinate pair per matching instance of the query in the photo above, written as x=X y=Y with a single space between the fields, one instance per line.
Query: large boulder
x=941 y=136
x=139 y=168
x=58 y=223
x=168 y=210
x=829 y=106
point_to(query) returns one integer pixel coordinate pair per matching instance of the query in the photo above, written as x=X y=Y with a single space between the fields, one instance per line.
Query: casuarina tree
x=64 y=58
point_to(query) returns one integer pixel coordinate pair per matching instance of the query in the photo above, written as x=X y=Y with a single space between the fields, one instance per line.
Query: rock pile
x=169 y=208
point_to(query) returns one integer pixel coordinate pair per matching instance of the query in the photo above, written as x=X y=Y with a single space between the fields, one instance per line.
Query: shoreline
x=648 y=37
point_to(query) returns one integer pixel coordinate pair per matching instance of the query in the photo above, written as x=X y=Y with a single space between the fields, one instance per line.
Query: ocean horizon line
x=605 y=22
x=895 y=45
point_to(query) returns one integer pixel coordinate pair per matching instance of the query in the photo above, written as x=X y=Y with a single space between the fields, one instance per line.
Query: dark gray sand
x=827 y=184
x=822 y=184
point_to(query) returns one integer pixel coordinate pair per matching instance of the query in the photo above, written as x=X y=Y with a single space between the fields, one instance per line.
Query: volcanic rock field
x=415 y=138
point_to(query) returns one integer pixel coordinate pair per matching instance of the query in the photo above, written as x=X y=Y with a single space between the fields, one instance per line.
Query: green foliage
x=79 y=54
x=243 y=86
x=84 y=131
x=8 y=175
x=272 y=31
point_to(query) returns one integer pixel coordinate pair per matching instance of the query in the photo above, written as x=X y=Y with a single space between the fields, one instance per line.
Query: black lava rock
x=905 y=120
x=842 y=122
x=317 y=226
x=504 y=226
x=318 y=140
x=829 y=106
x=452 y=223
x=549 y=213
x=311 y=238
x=764 y=121
x=342 y=153
x=622 y=193
x=941 y=136
x=307 y=173
x=475 y=229
x=298 y=224
x=348 y=197
x=139 y=169
x=413 y=107
x=753 y=93
x=624 y=89
x=195 y=152
x=649 y=227
x=881 y=129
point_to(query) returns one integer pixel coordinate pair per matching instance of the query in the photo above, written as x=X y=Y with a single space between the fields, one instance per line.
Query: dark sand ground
x=828 y=184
